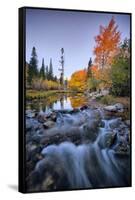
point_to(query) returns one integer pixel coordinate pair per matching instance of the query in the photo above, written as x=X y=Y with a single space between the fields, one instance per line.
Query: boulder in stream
x=118 y=107
x=48 y=124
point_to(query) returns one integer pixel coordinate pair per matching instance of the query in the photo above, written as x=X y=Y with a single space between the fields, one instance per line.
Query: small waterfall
x=91 y=164
x=84 y=166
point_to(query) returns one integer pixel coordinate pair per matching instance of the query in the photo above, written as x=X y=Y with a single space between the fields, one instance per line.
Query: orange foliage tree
x=107 y=43
x=78 y=80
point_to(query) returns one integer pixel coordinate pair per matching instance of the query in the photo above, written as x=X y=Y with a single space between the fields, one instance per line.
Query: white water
x=86 y=165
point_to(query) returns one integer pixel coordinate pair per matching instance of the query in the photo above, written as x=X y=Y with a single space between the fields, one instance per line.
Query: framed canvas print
x=74 y=99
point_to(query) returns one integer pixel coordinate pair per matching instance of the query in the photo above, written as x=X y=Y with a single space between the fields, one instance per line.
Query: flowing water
x=98 y=161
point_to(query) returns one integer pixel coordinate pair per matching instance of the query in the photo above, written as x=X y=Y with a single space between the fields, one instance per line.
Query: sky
x=50 y=30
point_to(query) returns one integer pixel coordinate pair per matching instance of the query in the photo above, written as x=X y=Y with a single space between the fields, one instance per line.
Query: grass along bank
x=39 y=94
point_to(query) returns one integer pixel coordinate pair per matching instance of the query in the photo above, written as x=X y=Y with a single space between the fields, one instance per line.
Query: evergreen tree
x=33 y=66
x=50 y=73
x=89 y=68
x=42 y=70
x=120 y=71
x=47 y=72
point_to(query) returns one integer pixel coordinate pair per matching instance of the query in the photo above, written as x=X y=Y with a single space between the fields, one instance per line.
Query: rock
x=110 y=108
x=115 y=123
x=53 y=117
x=104 y=92
x=36 y=139
x=48 y=124
x=107 y=140
x=41 y=117
x=122 y=148
x=115 y=108
x=75 y=110
x=84 y=107
x=102 y=124
x=58 y=135
x=28 y=126
x=31 y=115
x=119 y=106
x=91 y=130
x=127 y=123
x=31 y=152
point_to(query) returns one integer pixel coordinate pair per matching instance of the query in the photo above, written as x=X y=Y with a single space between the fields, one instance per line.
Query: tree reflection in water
x=57 y=102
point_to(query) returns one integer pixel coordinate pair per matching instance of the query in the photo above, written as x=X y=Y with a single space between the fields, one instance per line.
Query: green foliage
x=93 y=84
x=50 y=71
x=42 y=70
x=89 y=73
x=33 y=66
x=107 y=100
x=47 y=72
x=120 y=73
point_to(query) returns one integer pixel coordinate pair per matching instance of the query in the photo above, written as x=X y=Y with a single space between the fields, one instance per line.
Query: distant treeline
x=43 y=77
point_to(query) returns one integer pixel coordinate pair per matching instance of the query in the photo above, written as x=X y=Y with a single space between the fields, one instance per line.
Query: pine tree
x=50 y=73
x=89 y=68
x=33 y=66
x=47 y=72
x=42 y=70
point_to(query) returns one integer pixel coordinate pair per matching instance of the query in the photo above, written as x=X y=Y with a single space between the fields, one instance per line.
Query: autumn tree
x=107 y=43
x=78 y=80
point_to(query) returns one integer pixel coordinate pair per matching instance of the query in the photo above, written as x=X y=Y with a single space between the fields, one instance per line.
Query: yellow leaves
x=77 y=101
x=78 y=80
x=44 y=84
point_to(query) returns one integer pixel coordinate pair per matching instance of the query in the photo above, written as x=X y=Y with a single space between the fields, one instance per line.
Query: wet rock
x=84 y=107
x=122 y=148
x=32 y=151
x=102 y=124
x=53 y=117
x=127 y=123
x=30 y=113
x=75 y=110
x=48 y=124
x=91 y=130
x=115 y=108
x=107 y=140
x=115 y=123
x=119 y=106
x=41 y=117
x=36 y=138
x=64 y=111
x=28 y=126
x=56 y=136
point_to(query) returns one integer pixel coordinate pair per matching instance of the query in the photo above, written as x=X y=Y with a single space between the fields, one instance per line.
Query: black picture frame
x=22 y=95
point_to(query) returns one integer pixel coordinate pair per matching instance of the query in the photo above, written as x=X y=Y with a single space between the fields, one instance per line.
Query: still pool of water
x=57 y=102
